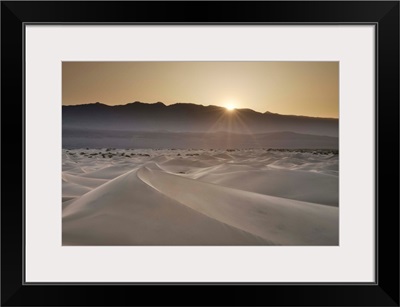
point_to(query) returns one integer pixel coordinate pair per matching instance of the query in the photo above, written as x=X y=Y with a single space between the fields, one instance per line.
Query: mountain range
x=186 y=117
x=185 y=125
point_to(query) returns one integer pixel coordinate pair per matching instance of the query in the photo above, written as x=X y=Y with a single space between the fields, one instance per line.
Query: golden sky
x=297 y=88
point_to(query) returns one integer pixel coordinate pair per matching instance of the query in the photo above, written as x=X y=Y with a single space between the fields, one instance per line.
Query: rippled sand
x=199 y=197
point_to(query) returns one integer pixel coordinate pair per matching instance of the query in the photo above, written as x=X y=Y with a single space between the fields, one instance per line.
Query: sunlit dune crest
x=200 y=197
x=201 y=153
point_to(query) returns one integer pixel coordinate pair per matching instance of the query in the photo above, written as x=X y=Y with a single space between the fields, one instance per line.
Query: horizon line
x=197 y=104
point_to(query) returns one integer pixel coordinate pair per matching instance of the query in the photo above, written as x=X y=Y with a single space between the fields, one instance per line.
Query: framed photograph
x=241 y=146
x=185 y=174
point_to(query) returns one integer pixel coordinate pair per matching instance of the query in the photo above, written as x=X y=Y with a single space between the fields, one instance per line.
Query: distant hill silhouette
x=189 y=118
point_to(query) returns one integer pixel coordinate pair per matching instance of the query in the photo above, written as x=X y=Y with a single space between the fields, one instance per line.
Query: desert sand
x=199 y=197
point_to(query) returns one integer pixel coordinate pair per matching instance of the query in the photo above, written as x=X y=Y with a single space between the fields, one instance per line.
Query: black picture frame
x=383 y=14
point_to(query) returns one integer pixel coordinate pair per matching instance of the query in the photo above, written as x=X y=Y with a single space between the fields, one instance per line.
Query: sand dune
x=197 y=197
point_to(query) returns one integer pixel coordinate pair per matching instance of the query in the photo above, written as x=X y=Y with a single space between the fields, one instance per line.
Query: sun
x=230 y=107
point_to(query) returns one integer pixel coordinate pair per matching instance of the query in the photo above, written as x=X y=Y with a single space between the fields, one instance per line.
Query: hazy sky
x=298 y=88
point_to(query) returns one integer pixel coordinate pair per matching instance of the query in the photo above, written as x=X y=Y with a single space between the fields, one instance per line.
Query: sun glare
x=230 y=107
